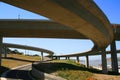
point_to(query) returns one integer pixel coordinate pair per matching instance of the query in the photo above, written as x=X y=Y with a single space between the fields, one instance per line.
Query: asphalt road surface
x=21 y=73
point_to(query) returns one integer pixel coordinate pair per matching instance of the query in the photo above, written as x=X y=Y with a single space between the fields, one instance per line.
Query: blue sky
x=110 y=8
x=59 y=46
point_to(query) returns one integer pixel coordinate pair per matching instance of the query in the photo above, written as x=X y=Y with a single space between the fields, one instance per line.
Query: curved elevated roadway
x=81 y=15
x=37 y=28
x=116 y=28
x=86 y=53
x=28 y=47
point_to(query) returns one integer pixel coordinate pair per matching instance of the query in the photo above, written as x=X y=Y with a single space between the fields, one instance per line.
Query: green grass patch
x=74 y=74
x=14 y=60
x=66 y=69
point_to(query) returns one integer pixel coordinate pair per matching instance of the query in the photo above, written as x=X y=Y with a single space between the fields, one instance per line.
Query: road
x=21 y=73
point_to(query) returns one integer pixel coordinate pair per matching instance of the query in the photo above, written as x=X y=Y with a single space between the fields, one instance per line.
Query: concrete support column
x=58 y=58
x=54 y=57
x=51 y=57
x=104 y=62
x=114 y=61
x=87 y=61
x=78 y=59
x=5 y=52
x=66 y=58
x=0 y=51
x=42 y=56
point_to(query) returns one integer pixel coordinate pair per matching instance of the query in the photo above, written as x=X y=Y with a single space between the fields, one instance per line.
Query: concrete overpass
x=75 y=14
x=5 y=45
x=82 y=17
x=37 y=28
x=116 y=29
x=113 y=51
x=83 y=54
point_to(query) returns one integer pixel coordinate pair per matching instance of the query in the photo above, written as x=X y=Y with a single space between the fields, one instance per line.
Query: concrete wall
x=42 y=76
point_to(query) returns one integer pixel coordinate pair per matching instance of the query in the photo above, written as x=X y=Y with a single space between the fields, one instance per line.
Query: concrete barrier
x=44 y=76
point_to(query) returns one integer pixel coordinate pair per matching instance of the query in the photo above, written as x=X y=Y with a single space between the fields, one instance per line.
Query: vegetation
x=15 y=52
x=66 y=69
x=9 y=51
x=14 y=60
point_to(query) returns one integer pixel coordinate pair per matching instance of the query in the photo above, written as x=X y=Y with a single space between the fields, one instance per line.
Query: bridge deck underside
x=83 y=16
x=37 y=28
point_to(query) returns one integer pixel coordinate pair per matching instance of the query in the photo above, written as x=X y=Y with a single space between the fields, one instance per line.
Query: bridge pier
x=78 y=59
x=42 y=56
x=58 y=58
x=51 y=57
x=87 y=61
x=66 y=58
x=55 y=57
x=1 y=39
x=5 y=52
x=104 y=62
x=114 y=61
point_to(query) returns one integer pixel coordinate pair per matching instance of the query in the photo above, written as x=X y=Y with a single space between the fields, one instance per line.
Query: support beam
x=55 y=57
x=51 y=57
x=78 y=59
x=104 y=62
x=5 y=52
x=66 y=58
x=42 y=56
x=0 y=51
x=87 y=61
x=58 y=58
x=114 y=61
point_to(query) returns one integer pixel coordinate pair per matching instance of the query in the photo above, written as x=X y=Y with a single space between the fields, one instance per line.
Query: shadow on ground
x=3 y=69
x=18 y=74
x=53 y=67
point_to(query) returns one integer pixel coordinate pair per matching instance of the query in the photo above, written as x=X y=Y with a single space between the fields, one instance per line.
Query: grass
x=14 y=60
x=74 y=74
x=66 y=69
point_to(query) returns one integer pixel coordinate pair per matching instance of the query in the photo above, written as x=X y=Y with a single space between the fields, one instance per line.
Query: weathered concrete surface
x=117 y=31
x=37 y=28
x=83 y=16
x=28 y=47
x=43 y=76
